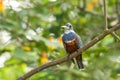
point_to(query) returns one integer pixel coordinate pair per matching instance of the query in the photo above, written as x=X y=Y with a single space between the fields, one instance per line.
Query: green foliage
x=33 y=30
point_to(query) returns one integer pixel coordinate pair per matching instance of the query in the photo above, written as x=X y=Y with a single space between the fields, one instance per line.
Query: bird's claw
x=68 y=56
x=77 y=50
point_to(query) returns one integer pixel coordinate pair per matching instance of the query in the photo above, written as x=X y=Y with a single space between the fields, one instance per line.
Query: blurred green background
x=30 y=35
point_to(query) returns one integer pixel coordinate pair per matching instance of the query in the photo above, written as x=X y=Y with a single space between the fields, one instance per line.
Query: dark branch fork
x=64 y=59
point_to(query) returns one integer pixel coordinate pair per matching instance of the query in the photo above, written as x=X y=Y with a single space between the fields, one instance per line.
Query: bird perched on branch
x=72 y=42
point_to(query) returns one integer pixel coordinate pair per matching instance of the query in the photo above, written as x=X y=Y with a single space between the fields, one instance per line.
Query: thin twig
x=105 y=16
x=116 y=36
x=96 y=14
x=117 y=7
x=64 y=59
x=84 y=4
x=105 y=13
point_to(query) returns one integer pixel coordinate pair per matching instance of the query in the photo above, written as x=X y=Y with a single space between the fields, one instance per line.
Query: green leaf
x=24 y=55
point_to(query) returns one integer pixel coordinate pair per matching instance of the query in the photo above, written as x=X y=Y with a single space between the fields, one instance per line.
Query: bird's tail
x=79 y=62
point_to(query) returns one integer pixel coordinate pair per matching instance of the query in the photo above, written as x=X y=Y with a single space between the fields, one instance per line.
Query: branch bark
x=64 y=59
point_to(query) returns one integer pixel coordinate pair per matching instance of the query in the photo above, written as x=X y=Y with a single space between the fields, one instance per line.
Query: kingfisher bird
x=72 y=42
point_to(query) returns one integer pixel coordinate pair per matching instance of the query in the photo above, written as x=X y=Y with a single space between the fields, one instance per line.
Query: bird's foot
x=77 y=50
x=68 y=56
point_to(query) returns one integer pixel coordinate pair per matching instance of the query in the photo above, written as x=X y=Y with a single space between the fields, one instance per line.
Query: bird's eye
x=70 y=26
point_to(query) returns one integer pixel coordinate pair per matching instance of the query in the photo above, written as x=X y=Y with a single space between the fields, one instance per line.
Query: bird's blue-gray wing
x=79 y=42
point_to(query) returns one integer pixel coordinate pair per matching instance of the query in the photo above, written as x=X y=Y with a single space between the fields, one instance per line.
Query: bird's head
x=67 y=27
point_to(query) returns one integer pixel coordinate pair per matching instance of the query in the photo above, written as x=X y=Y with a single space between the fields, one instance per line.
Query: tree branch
x=64 y=59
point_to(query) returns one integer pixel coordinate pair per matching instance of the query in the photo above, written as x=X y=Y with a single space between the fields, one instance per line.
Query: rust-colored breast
x=71 y=46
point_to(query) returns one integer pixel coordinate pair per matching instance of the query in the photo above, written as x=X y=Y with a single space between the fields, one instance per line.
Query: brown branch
x=64 y=59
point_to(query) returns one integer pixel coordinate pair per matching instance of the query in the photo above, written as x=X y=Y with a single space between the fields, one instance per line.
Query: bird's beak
x=64 y=27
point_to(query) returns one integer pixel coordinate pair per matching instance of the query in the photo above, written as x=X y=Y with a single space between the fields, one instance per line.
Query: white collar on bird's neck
x=68 y=31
